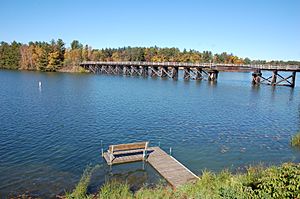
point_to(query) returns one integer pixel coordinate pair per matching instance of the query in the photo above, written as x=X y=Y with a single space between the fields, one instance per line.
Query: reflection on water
x=49 y=135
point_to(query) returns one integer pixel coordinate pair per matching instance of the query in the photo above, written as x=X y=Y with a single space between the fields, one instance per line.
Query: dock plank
x=169 y=168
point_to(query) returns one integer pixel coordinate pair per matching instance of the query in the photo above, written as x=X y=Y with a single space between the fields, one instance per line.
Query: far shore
x=79 y=69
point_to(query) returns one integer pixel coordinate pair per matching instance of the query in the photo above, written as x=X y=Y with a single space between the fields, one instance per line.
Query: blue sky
x=258 y=29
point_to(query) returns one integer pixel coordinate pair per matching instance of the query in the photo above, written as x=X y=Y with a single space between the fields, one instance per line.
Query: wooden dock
x=175 y=173
x=170 y=168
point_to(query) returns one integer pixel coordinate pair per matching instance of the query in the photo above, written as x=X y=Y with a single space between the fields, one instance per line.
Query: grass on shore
x=258 y=182
x=295 y=142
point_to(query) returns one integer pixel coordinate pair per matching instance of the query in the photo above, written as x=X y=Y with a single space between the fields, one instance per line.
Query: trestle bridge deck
x=197 y=71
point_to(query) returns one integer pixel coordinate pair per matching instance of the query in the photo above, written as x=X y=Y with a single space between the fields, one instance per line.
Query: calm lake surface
x=50 y=135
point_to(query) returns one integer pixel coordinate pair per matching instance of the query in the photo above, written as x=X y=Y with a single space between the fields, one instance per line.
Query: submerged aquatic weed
x=296 y=140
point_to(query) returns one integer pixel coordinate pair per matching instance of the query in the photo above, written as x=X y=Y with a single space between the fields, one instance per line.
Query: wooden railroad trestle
x=196 y=71
x=155 y=71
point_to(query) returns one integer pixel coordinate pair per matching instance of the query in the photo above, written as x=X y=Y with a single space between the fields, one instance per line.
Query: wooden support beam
x=135 y=70
x=104 y=69
x=112 y=70
x=119 y=70
x=186 y=73
x=164 y=71
x=266 y=80
x=199 y=75
x=155 y=71
x=126 y=70
x=275 y=79
x=285 y=78
x=167 y=71
x=91 y=68
x=144 y=71
x=99 y=69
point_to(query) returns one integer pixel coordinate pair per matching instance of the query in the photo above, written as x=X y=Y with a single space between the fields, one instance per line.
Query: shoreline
x=79 y=69
x=259 y=181
x=66 y=69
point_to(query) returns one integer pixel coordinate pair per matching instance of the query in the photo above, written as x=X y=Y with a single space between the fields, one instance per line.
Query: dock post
x=170 y=151
x=102 y=153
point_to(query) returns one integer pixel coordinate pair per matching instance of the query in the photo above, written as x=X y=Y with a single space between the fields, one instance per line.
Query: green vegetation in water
x=258 y=182
x=296 y=140
x=82 y=70
x=80 y=190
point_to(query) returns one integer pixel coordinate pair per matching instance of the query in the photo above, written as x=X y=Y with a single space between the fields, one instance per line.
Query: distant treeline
x=52 y=56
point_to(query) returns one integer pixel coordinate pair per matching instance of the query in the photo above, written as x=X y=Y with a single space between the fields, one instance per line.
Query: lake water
x=48 y=136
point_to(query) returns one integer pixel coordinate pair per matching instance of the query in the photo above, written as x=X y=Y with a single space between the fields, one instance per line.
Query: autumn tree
x=41 y=57
x=51 y=56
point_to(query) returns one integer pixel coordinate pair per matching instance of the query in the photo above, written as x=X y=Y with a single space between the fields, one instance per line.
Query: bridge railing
x=186 y=64
x=138 y=63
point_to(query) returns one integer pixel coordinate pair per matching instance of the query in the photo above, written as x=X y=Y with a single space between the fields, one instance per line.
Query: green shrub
x=80 y=191
x=258 y=182
x=114 y=189
x=81 y=188
x=281 y=182
x=159 y=192
x=82 y=70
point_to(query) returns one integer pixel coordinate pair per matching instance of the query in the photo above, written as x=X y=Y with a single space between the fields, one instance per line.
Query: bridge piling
x=213 y=75
x=144 y=71
x=174 y=73
x=293 y=79
x=274 y=77
x=126 y=70
x=256 y=76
